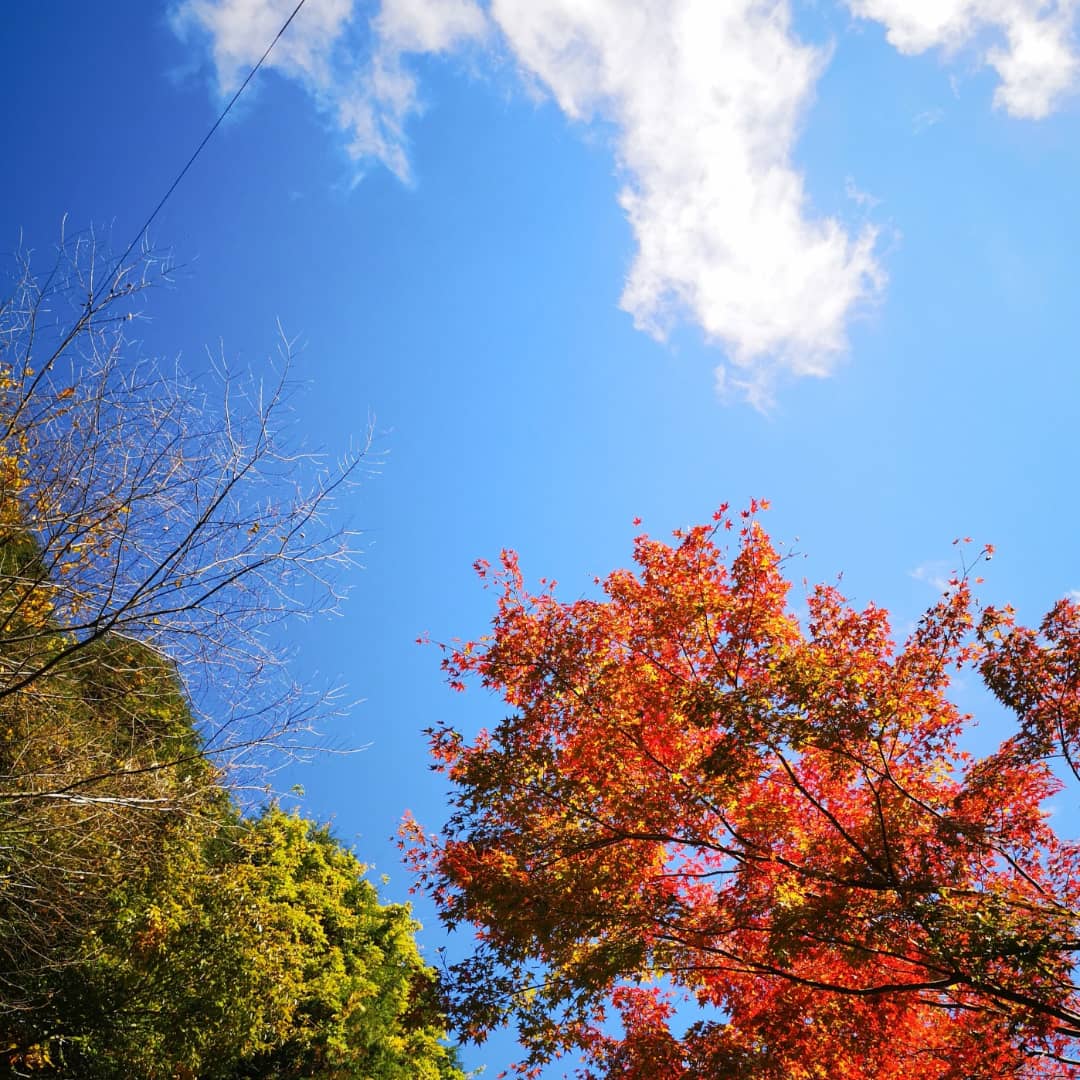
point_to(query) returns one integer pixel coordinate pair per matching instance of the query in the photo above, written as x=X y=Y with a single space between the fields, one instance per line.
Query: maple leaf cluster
x=700 y=803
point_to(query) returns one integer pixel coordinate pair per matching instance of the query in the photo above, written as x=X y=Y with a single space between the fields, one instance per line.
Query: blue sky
x=587 y=260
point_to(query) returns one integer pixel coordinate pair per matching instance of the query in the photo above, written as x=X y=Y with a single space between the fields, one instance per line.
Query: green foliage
x=230 y=948
x=147 y=928
x=99 y=766
x=261 y=951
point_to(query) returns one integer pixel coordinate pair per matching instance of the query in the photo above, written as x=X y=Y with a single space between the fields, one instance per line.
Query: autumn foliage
x=714 y=839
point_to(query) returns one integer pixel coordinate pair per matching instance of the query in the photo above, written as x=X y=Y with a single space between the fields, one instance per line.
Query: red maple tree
x=714 y=842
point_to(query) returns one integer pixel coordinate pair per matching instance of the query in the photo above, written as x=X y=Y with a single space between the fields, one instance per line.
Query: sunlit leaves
x=775 y=820
x=262 y=951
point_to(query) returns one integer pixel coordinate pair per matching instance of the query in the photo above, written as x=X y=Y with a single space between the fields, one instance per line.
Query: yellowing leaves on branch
x=150 y=537
x=715 y=841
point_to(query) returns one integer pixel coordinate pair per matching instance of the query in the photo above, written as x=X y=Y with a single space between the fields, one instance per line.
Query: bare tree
x=146 y=510
x=153 y=532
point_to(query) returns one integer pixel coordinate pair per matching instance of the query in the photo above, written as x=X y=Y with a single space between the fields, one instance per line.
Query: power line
x=198 y=150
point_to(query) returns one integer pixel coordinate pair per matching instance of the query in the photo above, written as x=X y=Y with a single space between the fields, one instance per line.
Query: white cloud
x=1029 y=43
x=240 y=30
x=371 y=99
x=428 y=25
x=705 y=102
x=386 y=95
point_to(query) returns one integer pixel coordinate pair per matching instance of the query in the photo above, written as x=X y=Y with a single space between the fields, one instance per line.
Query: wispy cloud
x=375 y=106
x=1029 y=45
x=239 y=31
x=936 y=573
x=926 y=119
x=858 y=196
x=357 y=72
